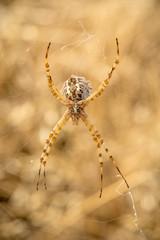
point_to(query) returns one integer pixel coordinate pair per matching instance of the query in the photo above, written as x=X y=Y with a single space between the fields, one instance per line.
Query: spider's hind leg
x=103 y=85
x=52 y=87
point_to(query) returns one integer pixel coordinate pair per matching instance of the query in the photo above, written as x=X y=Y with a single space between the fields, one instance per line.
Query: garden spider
x=76 y=94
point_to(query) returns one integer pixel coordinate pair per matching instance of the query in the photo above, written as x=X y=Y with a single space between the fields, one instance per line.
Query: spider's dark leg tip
x=126 y=183
x=100 y=195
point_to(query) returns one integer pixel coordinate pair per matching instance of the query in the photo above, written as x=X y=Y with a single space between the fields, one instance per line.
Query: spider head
x=75 y=110
x=76 y=88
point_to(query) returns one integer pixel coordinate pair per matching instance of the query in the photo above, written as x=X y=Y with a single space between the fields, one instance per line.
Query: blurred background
x=127 y=115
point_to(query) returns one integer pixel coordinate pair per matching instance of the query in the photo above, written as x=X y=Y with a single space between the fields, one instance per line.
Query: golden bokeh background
x=127 y=115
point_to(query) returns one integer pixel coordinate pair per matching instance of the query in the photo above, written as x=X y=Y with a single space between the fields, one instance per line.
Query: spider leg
x=95 y=133
x=49 y=141
x=52 y=87
x=103 y=85
x=110 y=156
x=91 y=129
x=101 y=166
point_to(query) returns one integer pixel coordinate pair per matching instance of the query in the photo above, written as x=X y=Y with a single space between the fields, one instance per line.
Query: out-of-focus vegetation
x=127 y=115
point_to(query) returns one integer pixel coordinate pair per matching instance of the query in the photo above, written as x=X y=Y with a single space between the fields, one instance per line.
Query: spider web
x=72 y=194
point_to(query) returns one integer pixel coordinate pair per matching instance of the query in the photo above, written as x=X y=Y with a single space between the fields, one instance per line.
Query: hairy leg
x=52 y=87
x=97 y=137
x=49 y=141
x=103 y=85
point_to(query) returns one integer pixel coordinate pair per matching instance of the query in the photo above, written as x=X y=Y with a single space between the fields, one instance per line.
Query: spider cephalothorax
x=75 y=112
x=76 y=94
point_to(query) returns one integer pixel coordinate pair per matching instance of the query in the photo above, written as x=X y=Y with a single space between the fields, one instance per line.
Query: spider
x=76 y=95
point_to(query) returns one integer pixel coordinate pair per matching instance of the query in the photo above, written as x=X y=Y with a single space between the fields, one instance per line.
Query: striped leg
x=49 y=141
x=101 y=166
x=103 y=85
x=52 y=87
x=109 y=155
x=101 y=142
x=91 y=129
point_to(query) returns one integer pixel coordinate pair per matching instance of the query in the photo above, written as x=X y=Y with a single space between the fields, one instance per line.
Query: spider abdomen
x=76 y=88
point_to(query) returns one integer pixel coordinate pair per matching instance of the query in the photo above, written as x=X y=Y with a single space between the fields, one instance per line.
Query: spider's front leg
x=91 y=129
x=110 y=156
x=49 y=141
x=98 y=139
